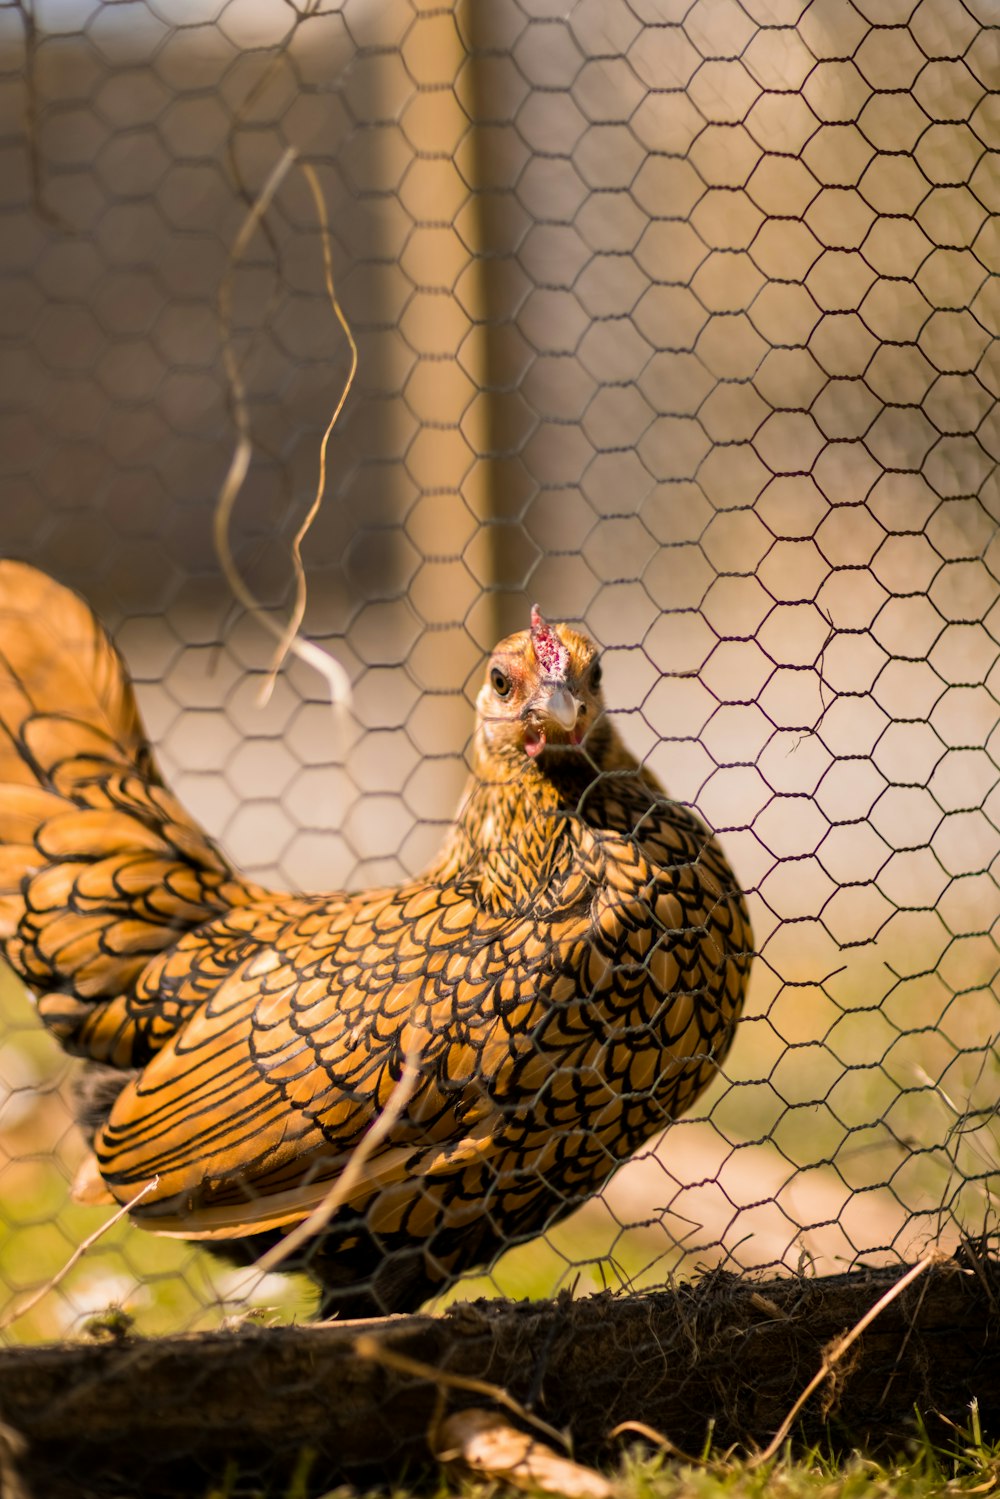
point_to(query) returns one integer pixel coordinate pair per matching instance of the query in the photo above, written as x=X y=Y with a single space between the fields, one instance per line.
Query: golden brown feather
x=569 y=971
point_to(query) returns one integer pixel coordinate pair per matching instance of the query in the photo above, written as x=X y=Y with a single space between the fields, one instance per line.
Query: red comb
x=550 y=653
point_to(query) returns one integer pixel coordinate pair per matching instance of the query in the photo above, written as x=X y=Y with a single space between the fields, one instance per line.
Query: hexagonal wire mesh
x=676 y=317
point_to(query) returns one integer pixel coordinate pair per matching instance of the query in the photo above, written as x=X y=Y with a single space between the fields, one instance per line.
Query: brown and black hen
x=568 y=972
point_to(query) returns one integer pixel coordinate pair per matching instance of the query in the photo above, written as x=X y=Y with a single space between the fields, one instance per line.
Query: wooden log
x=723 y=1356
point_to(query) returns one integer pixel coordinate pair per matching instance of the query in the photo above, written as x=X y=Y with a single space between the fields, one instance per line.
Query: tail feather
x=100 y=867
x=59 y=665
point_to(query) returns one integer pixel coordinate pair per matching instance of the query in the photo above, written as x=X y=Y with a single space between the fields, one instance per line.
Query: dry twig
x=368 y=1347
x=833 y=1356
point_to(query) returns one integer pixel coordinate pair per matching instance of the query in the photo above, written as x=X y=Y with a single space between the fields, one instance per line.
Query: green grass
x=964 y=1465
x=926 y=1472
x=858 y=1478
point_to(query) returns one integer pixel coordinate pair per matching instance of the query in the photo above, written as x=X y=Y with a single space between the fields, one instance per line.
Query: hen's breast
x=624 y=1004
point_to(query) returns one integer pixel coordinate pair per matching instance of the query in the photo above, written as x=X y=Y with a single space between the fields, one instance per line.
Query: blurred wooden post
x=443 y=325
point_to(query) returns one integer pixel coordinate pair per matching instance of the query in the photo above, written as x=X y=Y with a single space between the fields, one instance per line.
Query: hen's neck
x=519 y=825
x=505 y=838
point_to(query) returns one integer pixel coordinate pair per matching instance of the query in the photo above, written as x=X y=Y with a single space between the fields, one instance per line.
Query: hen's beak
x=561 y=705
x=556 y=704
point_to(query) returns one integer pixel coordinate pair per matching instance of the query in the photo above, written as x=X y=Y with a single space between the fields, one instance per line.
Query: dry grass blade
x=287 y=641
x=78 y=1253
x=834 y=1354
x=288 y=638
x=650 y=1434
x=12 y=1448
x=348 y=1179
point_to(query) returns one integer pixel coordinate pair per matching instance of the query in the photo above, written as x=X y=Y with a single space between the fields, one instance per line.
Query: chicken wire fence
x=678 y=318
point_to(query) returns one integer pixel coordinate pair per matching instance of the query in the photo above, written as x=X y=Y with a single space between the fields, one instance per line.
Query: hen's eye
x=595 y=675
x=500 y=682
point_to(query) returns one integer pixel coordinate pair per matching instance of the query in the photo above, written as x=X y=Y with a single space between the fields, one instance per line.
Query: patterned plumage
x=568 y=972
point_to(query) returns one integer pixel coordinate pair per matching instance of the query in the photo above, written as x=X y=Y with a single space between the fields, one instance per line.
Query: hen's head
x=542 y=692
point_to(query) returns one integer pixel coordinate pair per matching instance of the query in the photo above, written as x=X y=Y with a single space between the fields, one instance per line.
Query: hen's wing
x=252 y=1108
